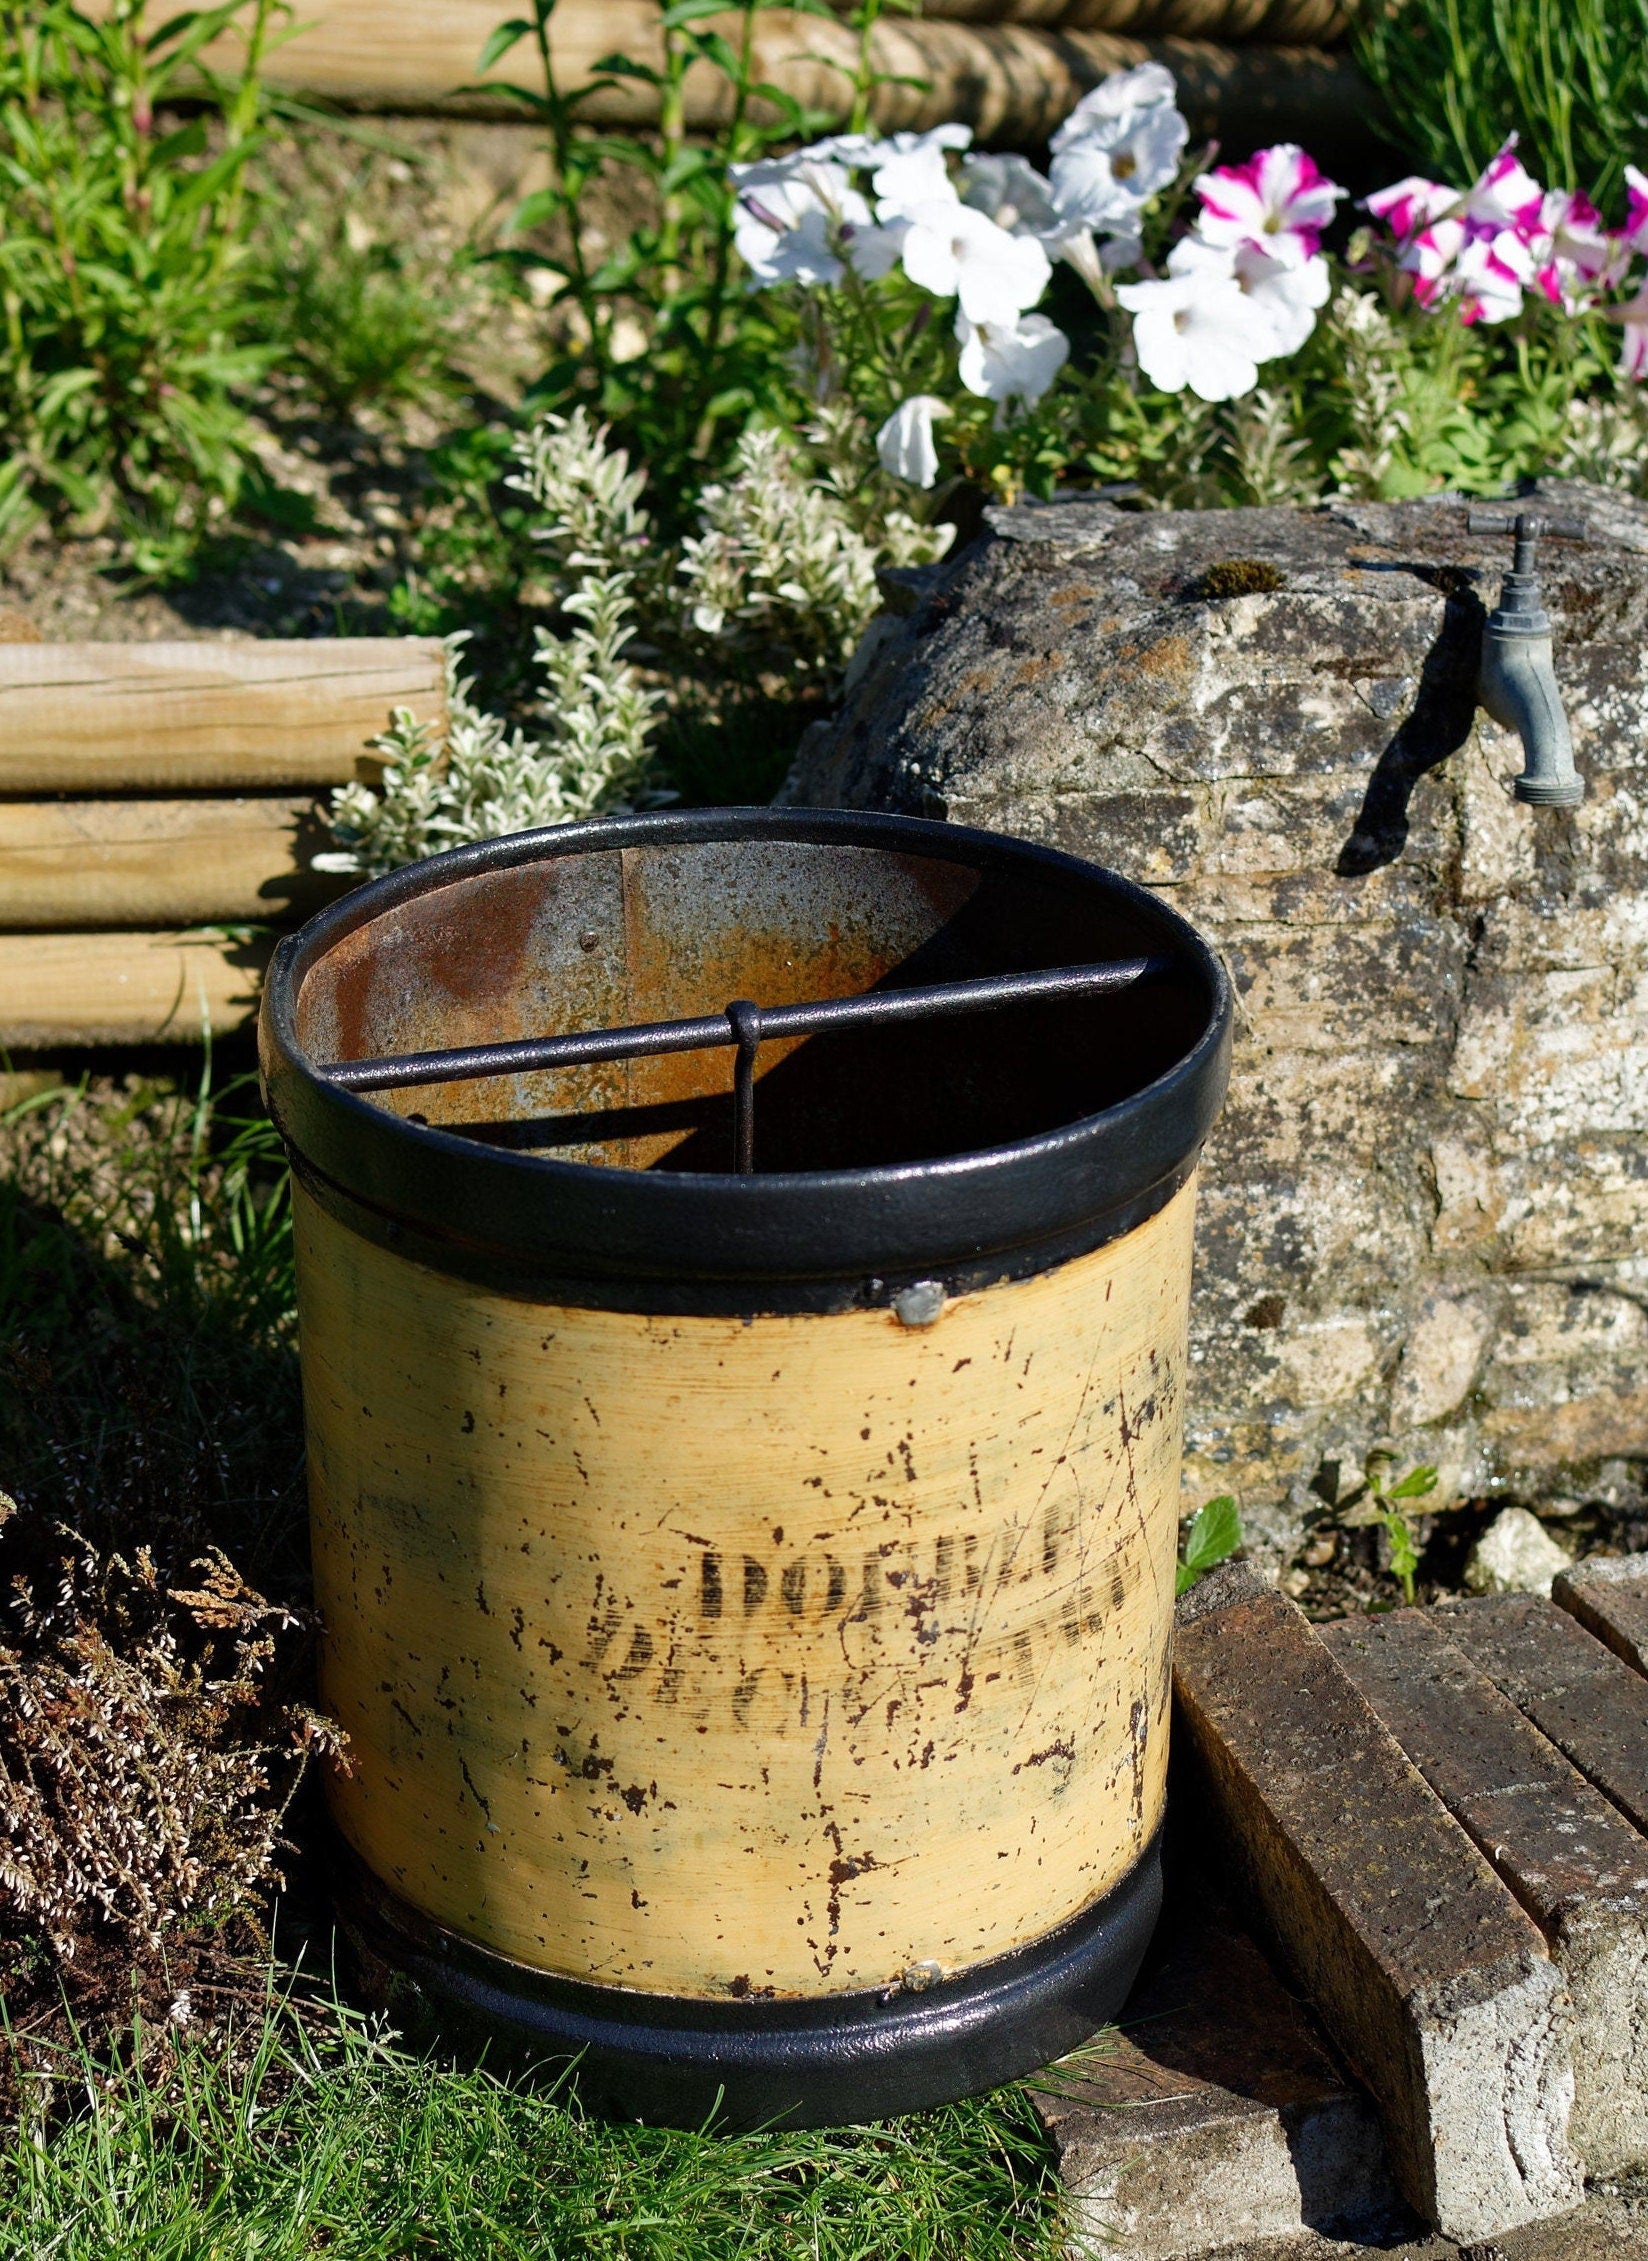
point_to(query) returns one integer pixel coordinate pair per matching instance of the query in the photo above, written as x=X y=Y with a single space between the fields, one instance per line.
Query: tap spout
x=1517 y=686
x=1516 y=682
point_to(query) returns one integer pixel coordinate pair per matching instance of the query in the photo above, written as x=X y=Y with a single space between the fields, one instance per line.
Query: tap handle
x=1527 y=526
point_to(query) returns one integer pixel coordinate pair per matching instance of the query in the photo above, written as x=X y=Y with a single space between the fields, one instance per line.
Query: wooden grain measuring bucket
x=744 y=1444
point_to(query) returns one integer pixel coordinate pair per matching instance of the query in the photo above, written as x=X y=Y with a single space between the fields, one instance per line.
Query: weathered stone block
x=1431 y=1160
x=1573 y=1862
x=1421 y=1965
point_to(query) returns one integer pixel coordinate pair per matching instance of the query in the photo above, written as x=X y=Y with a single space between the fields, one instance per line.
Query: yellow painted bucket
x=747 y=1592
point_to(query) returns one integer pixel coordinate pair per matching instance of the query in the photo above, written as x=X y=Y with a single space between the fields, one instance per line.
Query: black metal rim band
x=750 y=2062
x=783 y=1238
x=526 y=1277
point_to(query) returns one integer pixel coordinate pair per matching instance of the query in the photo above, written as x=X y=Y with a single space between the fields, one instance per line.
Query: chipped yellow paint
x=706 y=1656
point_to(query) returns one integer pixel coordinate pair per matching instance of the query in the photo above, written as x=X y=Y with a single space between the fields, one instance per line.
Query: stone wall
x=1425 y=1212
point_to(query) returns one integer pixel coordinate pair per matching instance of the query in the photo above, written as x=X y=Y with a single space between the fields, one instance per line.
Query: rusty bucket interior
x=673 y=928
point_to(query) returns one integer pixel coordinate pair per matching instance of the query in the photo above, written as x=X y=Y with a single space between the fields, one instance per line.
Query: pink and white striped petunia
x=1410 y=206
x=1279 y=200
x=1633 y=351
x=1634 y=234
x=1429 y=257
x=1505 y=196
x=1574 y=251
x=1490 y=276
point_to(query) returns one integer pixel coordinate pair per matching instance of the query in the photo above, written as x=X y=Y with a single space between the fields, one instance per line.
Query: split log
x=73 y=989
x=169 y=717
x=147 y=863
x=1012 y=81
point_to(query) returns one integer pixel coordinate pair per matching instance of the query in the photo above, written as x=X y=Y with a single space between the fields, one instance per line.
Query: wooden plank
x=1006 y=79
x=70 y=989
x=1609 y=1597
x=1424 y=1970
x=161 y=863
x=168 y=717
x=1577 y=1866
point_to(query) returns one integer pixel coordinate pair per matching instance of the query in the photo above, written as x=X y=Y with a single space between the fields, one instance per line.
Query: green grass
x=148 y=1371
x=351 y=2150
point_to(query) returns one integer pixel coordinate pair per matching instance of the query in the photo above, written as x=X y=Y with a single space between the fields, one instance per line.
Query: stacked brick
x=1439 y=1821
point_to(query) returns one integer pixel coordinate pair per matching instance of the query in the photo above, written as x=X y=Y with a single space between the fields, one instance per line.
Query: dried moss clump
x=151 y=1741
x=1239 y=577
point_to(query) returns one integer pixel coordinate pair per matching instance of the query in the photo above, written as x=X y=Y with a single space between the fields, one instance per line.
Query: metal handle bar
x=742 y=1025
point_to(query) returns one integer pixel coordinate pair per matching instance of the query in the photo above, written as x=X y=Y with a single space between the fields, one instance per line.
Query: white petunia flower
x=873 y=251
x=905 y=442
x=911 y=177
x=956 y=252
x=1122 y=95
x=1284 y=296
x=1118 y=147
x=1633 y=351
x=1198 y=329
x=1017 y=198
x=1011 y=360
x=791 y=212
x=1010 y=191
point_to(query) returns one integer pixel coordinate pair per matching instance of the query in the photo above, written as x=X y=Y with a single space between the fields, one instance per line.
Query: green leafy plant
x=1213 y=1537
x=1393 y=1507
x=359 y=314
x=1571 y=76
x=656 y=333
x=123 y=277
x=768 y=598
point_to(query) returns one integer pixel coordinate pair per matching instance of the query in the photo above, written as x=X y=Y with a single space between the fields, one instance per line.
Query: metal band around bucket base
x=830 y=2061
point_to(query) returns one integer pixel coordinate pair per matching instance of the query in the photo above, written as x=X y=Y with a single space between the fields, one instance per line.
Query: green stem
x=866 y=78
x=241 y=123
x=559 y=153
x=672 y=136
x=716 y=312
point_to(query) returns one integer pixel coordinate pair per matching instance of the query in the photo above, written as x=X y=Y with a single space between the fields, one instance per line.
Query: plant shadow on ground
x=166 y=1951
x=152 y=1568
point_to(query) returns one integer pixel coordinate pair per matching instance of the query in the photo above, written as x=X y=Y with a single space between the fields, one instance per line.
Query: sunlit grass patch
x=349 y=2148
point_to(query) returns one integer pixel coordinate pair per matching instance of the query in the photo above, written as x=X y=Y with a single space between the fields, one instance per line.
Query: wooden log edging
x=68 y=864
x=185 y=716
x=150 y=789
x=66 y=990
x=1246 y=69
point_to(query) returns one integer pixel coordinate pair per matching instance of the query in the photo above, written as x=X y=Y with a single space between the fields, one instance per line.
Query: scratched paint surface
x=711 y=1657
